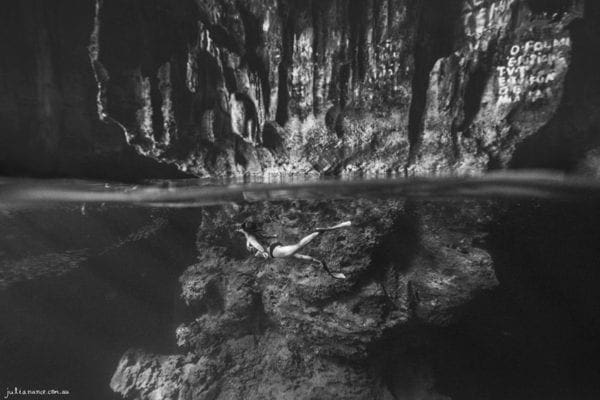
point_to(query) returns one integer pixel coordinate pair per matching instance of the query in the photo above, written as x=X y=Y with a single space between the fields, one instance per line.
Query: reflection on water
x=195 y=193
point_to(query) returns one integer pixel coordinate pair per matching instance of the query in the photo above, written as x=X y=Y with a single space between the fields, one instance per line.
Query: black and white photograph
x=300 y=199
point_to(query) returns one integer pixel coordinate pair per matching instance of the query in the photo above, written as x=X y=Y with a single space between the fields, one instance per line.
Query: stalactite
x=298 y=63
x=168 y=113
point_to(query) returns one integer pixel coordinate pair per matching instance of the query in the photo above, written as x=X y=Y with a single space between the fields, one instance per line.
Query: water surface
x=199 y=192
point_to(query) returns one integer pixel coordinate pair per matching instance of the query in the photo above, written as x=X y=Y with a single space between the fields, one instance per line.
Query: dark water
x=88 y=270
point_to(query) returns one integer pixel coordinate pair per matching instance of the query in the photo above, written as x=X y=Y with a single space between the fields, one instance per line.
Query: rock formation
x=280 y=329
x=50 y=126
x=221 y=87
x=228 y=88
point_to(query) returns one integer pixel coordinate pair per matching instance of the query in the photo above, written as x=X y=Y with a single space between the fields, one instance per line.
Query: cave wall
x=226 y=88
x=220 y=87
x=48 y=119
x=503 y=83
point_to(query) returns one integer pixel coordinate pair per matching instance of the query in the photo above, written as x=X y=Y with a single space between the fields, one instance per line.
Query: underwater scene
x=300 y=199
x=462 y=288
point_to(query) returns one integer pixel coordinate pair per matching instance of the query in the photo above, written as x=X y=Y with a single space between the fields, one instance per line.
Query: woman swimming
x=254 y=235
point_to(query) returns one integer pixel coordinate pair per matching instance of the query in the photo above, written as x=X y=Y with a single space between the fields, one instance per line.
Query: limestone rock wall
x=504 y=84
x=221 y=87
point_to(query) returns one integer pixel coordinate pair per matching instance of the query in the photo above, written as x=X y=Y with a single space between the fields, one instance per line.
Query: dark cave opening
x=69 y=331
x=75 y=143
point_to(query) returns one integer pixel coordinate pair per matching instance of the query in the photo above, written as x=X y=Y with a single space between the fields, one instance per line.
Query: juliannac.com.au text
x=16 y=392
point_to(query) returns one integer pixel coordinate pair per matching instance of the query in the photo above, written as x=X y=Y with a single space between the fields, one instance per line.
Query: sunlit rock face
x=223 y=87
x=503 y=83
x=253 y=329
x=220 y=87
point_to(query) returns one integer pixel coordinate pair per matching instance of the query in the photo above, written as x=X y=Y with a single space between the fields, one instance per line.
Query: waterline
x=198 y=193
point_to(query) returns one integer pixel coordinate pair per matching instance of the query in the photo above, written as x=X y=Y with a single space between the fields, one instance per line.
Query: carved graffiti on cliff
x=530 y=70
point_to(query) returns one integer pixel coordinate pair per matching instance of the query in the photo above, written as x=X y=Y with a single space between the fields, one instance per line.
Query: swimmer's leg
x=289 y=250
x=344 y=224
x=336 y=275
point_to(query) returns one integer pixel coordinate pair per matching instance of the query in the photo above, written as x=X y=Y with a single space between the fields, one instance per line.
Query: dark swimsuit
x=272 y=247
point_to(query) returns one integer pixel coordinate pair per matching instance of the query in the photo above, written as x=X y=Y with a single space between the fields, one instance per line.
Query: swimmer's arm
x=253 y=245
x=262 y=254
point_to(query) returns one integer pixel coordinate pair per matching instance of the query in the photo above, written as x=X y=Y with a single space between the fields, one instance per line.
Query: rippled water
x=15 y=193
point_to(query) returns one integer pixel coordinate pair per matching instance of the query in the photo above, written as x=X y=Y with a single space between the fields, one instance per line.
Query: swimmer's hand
x=262 y=254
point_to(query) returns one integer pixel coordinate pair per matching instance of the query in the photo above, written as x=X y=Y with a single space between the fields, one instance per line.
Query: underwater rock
x=282 y=328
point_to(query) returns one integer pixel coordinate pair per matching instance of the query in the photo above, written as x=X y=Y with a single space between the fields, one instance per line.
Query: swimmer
x=254 y=235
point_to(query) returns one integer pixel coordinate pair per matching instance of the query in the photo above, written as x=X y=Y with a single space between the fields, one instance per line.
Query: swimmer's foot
x=338 y=226
x=336 y=275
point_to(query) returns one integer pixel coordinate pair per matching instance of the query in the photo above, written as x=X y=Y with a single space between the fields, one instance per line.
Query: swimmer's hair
x=255 y=228
x=251 y=226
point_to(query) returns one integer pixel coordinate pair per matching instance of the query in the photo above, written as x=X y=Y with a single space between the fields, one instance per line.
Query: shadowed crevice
x=436 y=33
